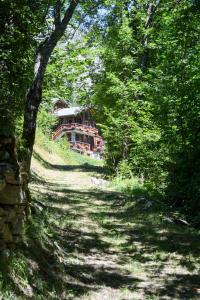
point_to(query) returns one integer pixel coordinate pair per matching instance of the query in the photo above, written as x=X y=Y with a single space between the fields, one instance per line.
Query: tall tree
x=148 y=93
x=20 y=22
x=24 y=24
x=61 y=13
x=176 y=101
x=61 y=19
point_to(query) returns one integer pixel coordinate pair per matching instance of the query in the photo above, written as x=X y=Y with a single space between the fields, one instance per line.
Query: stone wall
x=13 y=200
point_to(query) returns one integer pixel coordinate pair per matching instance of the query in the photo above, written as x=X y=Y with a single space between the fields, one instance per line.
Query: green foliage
x=177 y=103
x=139 y=68
x=150 y=114
x=20 y=22
x=68 y=73
x=127 y=113
x=46 y=121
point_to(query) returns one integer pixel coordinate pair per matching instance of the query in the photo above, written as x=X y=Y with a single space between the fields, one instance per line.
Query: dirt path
x=53 y=169
x=106 y=249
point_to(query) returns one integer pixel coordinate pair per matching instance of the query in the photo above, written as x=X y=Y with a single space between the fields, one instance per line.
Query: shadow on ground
x=86 y=241
x=85 y=167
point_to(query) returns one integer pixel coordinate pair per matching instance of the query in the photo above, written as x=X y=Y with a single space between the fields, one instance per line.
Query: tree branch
x=148 y=23
x=57 y=11
x=43 y=53
x=59 y=30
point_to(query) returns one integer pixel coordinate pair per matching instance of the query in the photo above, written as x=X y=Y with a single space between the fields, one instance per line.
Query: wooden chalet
x=79 y=128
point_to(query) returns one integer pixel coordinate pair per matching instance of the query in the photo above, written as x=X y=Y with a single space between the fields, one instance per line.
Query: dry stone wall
x=13 y=200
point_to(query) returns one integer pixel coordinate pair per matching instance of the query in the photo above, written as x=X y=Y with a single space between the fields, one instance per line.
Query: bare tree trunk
x=34 y=95
x=148 y=24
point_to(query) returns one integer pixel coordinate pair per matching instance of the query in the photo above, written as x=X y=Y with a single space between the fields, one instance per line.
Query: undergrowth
x=135 y=187
x=23 y=270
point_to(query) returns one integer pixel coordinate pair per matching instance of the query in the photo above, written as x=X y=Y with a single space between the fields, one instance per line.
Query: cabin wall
x=82 y=139
x=83 y=118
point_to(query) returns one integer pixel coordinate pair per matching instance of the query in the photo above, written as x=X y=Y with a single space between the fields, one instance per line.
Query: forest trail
x=104 y=246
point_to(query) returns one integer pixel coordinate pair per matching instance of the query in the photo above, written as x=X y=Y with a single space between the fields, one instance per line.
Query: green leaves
x=150 y=118
x=20 y=22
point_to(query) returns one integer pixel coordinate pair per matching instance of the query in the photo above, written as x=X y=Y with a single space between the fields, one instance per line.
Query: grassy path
x=97 y=244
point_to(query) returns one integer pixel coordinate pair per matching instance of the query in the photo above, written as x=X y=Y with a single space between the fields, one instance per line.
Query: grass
x=94 y=244
x=62 y=149
x=135 y=187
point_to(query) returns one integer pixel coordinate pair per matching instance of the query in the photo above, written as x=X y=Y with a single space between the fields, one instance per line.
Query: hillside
x=88 y=241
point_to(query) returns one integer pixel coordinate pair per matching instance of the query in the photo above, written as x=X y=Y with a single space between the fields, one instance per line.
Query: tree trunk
x=148 y=24
x=32 y=102
x=34 y=95
x=14 y=172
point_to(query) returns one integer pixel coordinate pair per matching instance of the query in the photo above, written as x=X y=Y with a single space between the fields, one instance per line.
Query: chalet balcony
x=84 y=129
x=80 y=146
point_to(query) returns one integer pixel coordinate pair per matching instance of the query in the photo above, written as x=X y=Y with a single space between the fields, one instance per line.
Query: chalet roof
x=55 y=100
x=72 y=111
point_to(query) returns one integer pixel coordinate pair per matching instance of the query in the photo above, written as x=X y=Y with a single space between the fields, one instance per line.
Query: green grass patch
x=135 y=187
x=61 y=148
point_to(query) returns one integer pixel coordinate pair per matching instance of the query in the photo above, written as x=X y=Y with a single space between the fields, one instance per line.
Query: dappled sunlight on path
x=102 y=246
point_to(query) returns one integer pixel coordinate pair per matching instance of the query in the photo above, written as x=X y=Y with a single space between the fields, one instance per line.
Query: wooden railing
x=74 y=126
x=80 y=146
